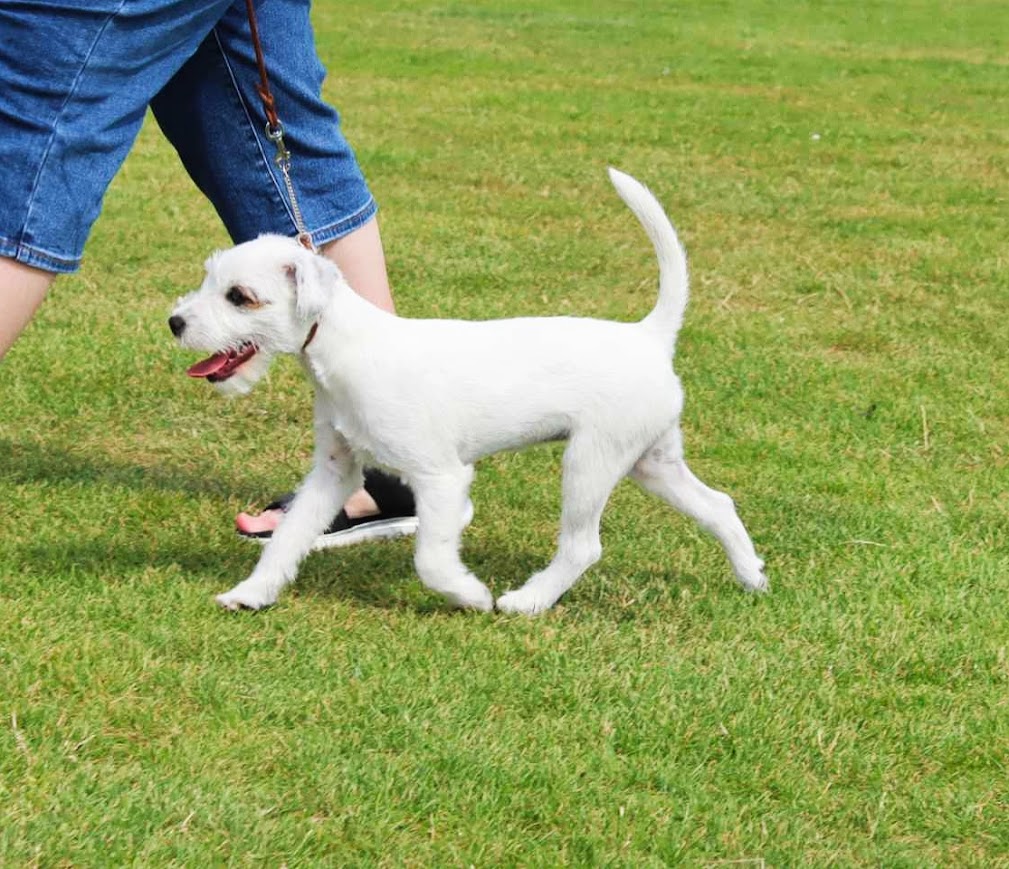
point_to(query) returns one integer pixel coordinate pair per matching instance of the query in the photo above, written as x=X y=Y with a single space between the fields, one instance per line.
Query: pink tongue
x=209 y=366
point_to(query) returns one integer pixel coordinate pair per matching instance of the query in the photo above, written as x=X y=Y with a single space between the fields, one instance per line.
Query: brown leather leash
x=275 y=129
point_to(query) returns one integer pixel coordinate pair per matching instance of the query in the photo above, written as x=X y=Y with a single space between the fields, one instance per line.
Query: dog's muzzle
x=219 y=366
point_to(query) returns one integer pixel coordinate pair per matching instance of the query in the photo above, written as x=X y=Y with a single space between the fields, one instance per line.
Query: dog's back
x=502 y=384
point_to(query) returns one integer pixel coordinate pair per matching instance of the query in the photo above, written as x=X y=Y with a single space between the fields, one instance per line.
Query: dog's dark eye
x=237 y=297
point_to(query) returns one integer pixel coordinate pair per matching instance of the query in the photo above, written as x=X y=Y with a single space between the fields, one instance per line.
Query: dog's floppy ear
x=312 y=276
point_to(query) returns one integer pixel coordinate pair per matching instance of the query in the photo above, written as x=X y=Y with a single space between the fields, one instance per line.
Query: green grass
x=839 y=174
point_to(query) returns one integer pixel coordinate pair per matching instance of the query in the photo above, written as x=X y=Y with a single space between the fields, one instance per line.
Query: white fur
x=430 y=397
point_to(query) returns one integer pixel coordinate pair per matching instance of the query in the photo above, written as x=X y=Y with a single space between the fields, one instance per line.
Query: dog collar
x=311 y=335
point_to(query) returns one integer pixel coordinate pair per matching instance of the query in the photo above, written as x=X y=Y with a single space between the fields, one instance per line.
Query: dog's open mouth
x=221 y=366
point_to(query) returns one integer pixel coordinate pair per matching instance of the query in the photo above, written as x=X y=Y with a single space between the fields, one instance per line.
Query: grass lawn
x=838 y=173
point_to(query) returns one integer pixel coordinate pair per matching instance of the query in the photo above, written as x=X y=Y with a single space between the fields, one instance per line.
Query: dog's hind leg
x=591 y=470
x=662 y=471
x=441 y=505
x=334 y=476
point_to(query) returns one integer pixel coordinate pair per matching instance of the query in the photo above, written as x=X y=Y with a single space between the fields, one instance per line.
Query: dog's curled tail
x=667 y=316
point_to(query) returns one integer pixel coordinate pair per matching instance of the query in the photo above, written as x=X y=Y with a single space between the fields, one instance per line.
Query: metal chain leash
x=283 y=161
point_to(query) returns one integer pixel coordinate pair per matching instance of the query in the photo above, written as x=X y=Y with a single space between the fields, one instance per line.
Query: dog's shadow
x=379 y=574
x=382 y=574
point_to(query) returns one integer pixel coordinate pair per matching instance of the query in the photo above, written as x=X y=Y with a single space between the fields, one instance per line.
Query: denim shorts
x=76 y=80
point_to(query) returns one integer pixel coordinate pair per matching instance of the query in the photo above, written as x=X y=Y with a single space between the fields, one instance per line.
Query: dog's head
x=258 y=299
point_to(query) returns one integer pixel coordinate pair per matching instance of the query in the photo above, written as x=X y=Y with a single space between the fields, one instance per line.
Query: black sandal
x=396 y=517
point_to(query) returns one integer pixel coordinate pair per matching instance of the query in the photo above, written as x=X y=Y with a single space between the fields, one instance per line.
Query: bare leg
x=22 y=289
x=662 y=471
x=362 y=260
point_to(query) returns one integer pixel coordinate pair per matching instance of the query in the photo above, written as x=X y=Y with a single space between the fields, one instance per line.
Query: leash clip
x=275 y=133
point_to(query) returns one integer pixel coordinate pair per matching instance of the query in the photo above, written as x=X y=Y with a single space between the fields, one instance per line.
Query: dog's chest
x=334 y=408
x=352 y=427
x=356 y=430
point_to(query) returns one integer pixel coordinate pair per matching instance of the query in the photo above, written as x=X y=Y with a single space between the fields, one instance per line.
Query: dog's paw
x=245 y=597
x=477 y=598
x=756 y=584
x=525 y=601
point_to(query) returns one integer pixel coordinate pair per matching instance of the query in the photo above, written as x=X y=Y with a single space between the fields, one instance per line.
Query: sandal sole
x=381 y=529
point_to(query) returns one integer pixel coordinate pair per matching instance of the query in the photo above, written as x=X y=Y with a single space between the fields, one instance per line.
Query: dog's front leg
x=334 y=477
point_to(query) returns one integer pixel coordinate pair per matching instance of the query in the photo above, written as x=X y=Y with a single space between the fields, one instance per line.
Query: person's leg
x=212 y=115
x=361 y=258
x=22 y=289
x=75 y=81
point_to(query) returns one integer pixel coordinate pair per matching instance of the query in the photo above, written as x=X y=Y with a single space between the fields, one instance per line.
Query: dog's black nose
x=177 y=325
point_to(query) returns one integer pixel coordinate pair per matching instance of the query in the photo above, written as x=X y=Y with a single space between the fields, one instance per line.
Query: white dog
x=428 y=398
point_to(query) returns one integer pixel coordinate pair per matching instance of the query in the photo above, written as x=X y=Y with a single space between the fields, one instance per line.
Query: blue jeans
x=76 y=80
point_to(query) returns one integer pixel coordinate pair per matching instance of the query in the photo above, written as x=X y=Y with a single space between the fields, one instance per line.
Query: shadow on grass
x=379 y=575
x=24 y=462
x=382 y=575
